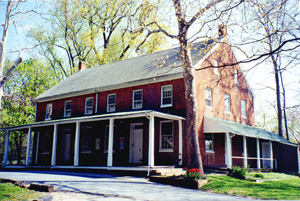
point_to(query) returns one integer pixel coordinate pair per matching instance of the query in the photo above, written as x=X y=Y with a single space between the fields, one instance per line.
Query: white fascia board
x=114 y=87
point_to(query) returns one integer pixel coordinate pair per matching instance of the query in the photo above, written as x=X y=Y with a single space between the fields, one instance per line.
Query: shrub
x=194 y=174
x=259 y=175
x=238 y=172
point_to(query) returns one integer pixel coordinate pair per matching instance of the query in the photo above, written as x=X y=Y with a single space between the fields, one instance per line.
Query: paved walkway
x=110 y=186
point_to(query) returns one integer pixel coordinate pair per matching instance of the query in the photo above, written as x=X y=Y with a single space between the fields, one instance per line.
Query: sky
x=261 y=78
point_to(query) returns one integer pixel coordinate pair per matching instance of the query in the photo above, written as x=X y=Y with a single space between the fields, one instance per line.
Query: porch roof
x=116 y=115
x=216 y=125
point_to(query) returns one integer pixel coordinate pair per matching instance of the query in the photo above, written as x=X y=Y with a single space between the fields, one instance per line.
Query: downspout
x=96 y=106
x=35 y=111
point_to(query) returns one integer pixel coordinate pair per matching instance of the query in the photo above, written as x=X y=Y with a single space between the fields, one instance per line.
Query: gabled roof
x=216 y=125
x=155 y=67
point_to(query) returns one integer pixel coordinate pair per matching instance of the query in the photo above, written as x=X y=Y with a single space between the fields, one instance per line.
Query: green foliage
x=11 y=192
x=272 y=190
x=259 y=175
x=194 y=174
x=238 y=172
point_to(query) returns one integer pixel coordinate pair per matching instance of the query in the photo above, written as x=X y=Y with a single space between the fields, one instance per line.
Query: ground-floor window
x=166 y=136
x=209 y=143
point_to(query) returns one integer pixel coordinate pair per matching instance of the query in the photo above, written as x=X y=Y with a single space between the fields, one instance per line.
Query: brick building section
x=151 y=101
x=223 y=83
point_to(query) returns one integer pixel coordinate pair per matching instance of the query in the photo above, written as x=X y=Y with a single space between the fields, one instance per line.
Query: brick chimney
x=222 y=30
x=82 y=66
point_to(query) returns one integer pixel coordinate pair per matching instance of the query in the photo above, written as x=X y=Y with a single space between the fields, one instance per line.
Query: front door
x=136 y=143
x=265 y=146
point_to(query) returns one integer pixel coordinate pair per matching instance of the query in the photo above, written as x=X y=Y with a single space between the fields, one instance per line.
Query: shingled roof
x=159 y=66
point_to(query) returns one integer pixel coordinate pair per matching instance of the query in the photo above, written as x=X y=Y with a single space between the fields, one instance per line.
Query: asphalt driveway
x=126 y=187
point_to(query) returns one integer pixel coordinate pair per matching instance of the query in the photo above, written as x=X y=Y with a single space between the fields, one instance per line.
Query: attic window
x=89 y=105
x=48 y=111
x=111 y=102
x=166 y=96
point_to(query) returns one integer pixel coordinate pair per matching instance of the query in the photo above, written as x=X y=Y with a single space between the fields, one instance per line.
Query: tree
x=96 y=32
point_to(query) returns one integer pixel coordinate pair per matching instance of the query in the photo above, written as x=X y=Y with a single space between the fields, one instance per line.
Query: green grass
x=270 y=175
x=9 y=191
x=288 y=189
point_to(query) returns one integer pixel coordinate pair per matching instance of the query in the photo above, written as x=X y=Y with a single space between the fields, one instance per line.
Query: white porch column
x=151 y=142
x=271 y=154
x=258 y=154
x=245 y=151
x=28 y=146
x=228 y=150
x=110 y=143
x=6 y=149
x=180 y=141
x=77 y=138
x=298 y=157
x=54 y=145
x=37 y=147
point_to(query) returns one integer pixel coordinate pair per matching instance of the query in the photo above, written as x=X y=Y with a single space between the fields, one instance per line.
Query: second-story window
x=68 y=106
x=49 y=111
x=166 y=96
x=89 y=105
x=111 y=102
x=227 y=103
x=208 y=99
x=137 y=99
x=243 y=108
x=216 y=67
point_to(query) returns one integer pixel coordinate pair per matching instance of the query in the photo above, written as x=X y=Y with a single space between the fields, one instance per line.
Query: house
x=130 y=115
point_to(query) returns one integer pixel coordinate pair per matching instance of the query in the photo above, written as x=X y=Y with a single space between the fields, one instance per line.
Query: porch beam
x=180 y=142
x=54 y=145
x=110 y=143
x=271 y=153
x=6 y=149
x=77 y=138
x=151 y=142
x=258 y=154
x=245 y=151
x=228 y=150
x=28 y=146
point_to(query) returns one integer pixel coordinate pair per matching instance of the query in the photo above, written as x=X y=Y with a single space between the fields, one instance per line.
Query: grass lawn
x=9 y=191
x=288 y=189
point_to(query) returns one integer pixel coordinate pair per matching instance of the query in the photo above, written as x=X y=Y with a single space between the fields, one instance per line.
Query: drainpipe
x=96 y=106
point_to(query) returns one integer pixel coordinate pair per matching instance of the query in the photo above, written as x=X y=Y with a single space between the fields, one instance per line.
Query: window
x=68 y=106
x=227 y=103
x=48 y=111
x=235 y=76
x=89 y=105
x=137 y=99
x=111 y=102
x=208 y=101
x=243 y=108
x=216 y=67
x=209 y=142
x=166 y=136
x=166 y=96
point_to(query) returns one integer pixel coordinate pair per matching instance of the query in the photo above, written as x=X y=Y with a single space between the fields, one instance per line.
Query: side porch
x=139 y=140
x=230 y=144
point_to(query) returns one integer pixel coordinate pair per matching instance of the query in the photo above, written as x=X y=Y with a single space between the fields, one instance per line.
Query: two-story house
x=130 y=115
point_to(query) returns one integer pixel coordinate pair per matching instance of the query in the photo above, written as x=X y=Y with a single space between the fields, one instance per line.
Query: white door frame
x=131 y=158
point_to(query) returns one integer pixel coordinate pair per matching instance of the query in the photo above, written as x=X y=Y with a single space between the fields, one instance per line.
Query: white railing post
x=180 y=142
x=54 y=145
x=245 y=151
x=6 y=149
x=258 y=154
x=28 y=146
x=110 y=143
x=77 y=138
x=228 y=150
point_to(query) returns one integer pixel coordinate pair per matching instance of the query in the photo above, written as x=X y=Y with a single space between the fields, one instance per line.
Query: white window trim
x=213 y=147
x=161 y=97
x=245 y=117
x=107 y=108
x=160 y=130
x=207 y=106
x=46 y=114
x=229 y=104
x=134 y=100
x=68 y=101
x=86 y=107
x=216 y=65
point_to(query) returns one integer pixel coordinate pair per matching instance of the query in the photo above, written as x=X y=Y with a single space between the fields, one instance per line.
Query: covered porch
x=232 y=144
x=139 y=140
